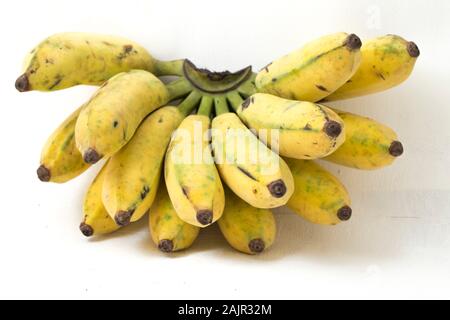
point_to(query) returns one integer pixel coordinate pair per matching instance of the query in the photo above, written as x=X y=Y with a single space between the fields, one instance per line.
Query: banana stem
x=235 y=100
x=169 y=68
x=221 y=105
x=178 y=88
x=248 y=88
x=206 y=106
x=189 y=104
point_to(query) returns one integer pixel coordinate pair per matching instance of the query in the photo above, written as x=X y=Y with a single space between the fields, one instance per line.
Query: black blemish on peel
x=246 y=103
x=248 y=174
x=145 y=192
x=115 y=124
x=321 y=88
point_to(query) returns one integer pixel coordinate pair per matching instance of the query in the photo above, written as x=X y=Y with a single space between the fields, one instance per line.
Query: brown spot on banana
x=91 y=156
x=165 y=246
x=123 y=218
x=43 y=174
x=321 y=88
x=353 y=42
x=86 y=230
x=22 y=83
x=256 y=245
x=205 y=217
x=145 y=192
x=248 y=174
x=344 y=213
x=332 y=128
x=277 y=188
x=396 y=149
x=413 y=50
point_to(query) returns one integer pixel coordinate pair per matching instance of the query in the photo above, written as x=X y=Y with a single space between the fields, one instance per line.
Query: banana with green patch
x=168 y=231
x=60 y=159
x=319 y=197
x=69 y=59
x=386 y=62
x=247 y=229
x=314 y=71
x=111 y=117
x=133 y=173
x=191 y=177
x=300 y=130
x=369 y=145
x=96 y=220
x=253 y=171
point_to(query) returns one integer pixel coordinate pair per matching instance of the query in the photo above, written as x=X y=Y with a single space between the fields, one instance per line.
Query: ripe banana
x=133 y=173
x=254 y=172
x=300 y=130
x=68 y=59
x=96 y=219
x=191 y=177
x=110 y=118
x=60 y=159
x=168 y=231
x=319 y=197
x=386 y=62
x=314 y=71
x=369 y=145
x=246 y=228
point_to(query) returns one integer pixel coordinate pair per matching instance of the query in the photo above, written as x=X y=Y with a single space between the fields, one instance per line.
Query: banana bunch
x=208 y=147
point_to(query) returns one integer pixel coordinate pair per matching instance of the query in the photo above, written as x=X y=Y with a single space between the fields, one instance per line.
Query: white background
x=397 y=244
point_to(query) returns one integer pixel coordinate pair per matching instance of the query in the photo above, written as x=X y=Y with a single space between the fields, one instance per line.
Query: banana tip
x=332 y=128
x=396 y=149
x=165 y=246
x=344 y=213
x=205 y=217
x=277 y=188
x=413 y=50
x=86 y=230
x=43 y=174
x=353 y=42
x=91 y=156
x=256 y=245
x=22 y=83
x=123 y=218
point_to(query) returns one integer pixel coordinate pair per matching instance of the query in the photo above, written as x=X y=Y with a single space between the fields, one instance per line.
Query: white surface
x=397 y=244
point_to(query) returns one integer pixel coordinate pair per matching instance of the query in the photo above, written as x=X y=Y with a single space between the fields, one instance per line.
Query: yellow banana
x=60 y=159
x=96 y=219
x=110 y=118
x=133 y=173
x=246 y=228
x=168 y=231
x=192 y=179
x=319 y=197
x=254 y=172
x=68 y=59
x=369 y=145
x=300 y=130
x=386 y=62
x=314 y=71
